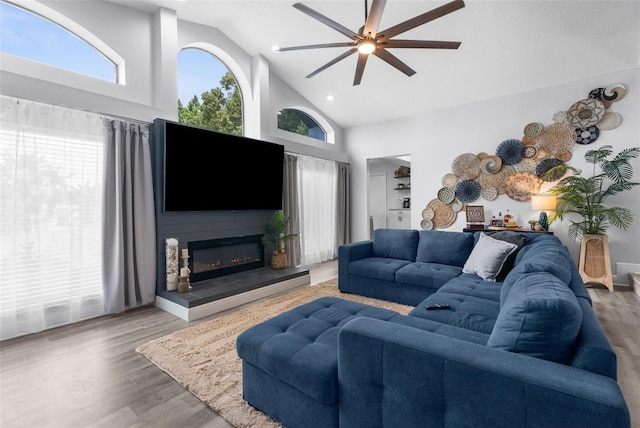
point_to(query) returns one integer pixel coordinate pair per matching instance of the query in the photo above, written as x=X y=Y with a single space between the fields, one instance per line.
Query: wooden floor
x=89 y=375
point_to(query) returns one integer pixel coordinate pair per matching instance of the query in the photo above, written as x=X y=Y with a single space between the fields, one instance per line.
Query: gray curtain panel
x=290 y=208
x=129 y=232
x=343 y=209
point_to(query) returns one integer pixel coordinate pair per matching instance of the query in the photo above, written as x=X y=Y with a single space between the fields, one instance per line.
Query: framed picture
x=475 y=213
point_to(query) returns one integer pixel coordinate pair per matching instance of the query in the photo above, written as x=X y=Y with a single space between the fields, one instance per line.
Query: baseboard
x=201 y=311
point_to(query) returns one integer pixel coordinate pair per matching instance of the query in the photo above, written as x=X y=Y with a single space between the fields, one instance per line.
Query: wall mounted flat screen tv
x=206 y=171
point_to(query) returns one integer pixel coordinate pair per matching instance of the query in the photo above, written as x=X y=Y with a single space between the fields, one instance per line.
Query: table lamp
x=543 y=203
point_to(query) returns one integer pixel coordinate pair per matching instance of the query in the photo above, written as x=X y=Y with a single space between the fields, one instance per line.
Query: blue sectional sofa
x=524 y=351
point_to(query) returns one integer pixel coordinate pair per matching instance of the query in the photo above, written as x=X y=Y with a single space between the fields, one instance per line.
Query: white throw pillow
x=488 y=256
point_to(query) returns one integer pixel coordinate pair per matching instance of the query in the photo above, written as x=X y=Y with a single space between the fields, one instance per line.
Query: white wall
x=433 y=140
x=149 y=44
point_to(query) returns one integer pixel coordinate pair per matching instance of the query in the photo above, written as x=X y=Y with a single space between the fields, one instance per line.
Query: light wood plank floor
x=89 y=375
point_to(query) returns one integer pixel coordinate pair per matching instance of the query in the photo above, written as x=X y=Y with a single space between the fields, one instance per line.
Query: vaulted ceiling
x=507 y=47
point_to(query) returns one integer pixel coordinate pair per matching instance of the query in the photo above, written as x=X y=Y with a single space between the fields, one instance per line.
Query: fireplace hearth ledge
x=219 y=294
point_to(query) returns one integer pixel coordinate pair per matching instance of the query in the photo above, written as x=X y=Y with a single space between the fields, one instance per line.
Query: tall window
x=31 y=36
x=50 y=210
x=301 y=123
x=208 y=94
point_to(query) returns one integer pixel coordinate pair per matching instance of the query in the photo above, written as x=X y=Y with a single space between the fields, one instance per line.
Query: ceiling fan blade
x=422 y=19
x=362 y=61
x=390 y=59
x=373 y=20
x=332 y=62
x=420 y=44
x=327 y=21
x=323 y=45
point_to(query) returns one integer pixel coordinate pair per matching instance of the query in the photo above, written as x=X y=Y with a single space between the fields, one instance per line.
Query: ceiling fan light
x=367 y=46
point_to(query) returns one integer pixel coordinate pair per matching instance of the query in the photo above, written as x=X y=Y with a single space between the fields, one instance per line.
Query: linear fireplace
x=212 y=258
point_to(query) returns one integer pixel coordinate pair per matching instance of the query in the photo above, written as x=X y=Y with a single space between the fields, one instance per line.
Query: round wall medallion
x=443 y=217
x=466 y=166
x=585 y=113
x=556 y=137
x=533 y=129
x=456 y=205
x=521 y=185
x=560 y=117
x=446 y=195
x=489 y=193
x=546 y=165
x=587 y=135
x=610 y=120
x=468 y=191
x=614 y=92
x=426 y=224
x=510 y=151
x=427 y=213
x=450 y=180
x=491 y=164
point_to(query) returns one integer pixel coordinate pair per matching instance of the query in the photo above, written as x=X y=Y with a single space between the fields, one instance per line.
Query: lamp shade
x=543 y=202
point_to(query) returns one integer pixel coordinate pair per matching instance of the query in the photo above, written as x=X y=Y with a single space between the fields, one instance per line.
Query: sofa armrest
x=348 y=253
x=397 y=376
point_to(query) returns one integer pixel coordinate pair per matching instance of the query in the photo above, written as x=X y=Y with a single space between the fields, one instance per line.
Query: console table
x=515 y=229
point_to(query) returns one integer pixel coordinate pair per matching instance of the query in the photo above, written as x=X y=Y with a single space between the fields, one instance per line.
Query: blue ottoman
x=290 y=362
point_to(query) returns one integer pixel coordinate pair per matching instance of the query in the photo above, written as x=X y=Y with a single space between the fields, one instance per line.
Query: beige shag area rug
x=203 y=358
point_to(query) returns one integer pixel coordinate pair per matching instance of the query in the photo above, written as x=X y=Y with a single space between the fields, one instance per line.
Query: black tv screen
x=207 y=170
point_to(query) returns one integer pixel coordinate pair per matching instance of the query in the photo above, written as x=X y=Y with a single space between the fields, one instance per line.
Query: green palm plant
x=275 y=232
x=585 y=196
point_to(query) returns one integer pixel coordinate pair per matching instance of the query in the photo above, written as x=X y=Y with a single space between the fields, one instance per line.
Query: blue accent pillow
x=540 y=317
x=447 y=248
x=396 y=243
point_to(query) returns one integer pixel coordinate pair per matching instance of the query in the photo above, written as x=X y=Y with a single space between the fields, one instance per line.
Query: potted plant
x=275 y=238
x=584 y=198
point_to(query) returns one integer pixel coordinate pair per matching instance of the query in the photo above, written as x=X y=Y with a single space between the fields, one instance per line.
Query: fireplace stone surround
x=220 y=293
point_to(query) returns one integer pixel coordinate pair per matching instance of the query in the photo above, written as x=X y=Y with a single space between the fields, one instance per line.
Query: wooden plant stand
x=595 y=263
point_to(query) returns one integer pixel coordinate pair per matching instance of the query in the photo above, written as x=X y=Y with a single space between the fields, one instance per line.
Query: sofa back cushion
x=396 y=243
x=540 y=317
x=447 y=248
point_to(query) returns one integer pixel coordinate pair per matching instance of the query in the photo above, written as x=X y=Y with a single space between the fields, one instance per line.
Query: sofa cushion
x=551 y=259
x=474 y=304
x=300 y=346
x=488 y=257
x=383 y=269
x=448 y=248
x=432 y=275
x=396 y=243
x=515 y=238
x=540 y=317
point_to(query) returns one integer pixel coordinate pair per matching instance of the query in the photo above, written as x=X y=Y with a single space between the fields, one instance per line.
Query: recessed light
x=275 y=48
x=330 y=98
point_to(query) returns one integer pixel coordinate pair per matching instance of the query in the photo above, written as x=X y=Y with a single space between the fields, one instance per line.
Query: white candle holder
x=184 y=284
x=171 y=249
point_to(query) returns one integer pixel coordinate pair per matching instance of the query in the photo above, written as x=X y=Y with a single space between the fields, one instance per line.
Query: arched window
x=66 y=45
x=208 y=93
x=301 y=123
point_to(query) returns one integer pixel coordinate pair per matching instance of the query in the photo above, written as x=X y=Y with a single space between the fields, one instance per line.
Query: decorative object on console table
x=275 y=237
x=543 y=203
x=475 y=216
x=585 y=197
x=171 y=250
x=184 y=284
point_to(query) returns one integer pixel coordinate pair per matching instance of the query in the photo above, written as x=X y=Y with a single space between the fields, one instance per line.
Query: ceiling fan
x=368 y=40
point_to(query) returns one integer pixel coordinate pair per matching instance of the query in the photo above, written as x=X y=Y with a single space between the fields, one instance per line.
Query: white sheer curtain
x=317 y=187
x=50 y=210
